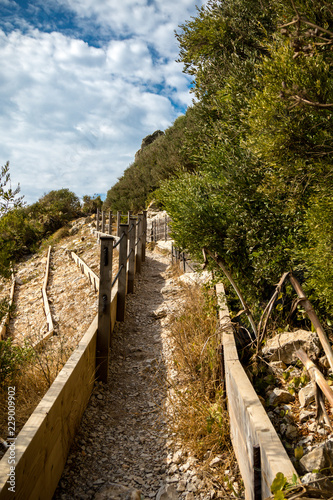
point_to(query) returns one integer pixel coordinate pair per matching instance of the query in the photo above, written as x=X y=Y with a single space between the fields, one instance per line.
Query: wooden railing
x=41 y=448
x=258 y=449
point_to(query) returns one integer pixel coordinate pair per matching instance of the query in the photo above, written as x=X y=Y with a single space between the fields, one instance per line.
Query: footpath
x=124 y=447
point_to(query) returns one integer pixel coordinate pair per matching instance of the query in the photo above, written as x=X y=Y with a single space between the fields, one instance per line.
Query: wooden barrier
x=250 y=427
x=45 y=299
x=93 y=278
x=42 y=446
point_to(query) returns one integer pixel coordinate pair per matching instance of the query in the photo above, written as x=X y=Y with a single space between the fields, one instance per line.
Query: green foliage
x=8 y=196
x=12 y=358
x=157 y=161
x=280 y=484
x=260 y=193
x=55 y=209
x=91 y=204
x=23 y=228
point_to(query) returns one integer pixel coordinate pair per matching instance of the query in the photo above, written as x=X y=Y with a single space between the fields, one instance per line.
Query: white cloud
x=73 y=115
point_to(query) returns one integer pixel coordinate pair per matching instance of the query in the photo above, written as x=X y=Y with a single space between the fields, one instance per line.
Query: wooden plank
x=43 y=444
x=86 y=269
x=249 y=423
x=44 y=293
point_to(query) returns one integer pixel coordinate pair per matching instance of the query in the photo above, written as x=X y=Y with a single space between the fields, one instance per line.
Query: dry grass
x=197 y=401
x=32 y=372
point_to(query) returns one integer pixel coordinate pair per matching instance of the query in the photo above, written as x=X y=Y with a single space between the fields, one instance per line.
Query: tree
x=55 y=209
x=91 y=204
x=8 y=197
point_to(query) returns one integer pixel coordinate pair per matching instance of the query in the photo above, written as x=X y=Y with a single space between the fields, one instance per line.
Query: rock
x=173 y=469
x=318 y=480
x=291 y=431
x=117 y=492
x=74 y=230
x=215 y=461
x=316 y=459
x=160 y=313
x=323 y=362
x=283 y=346
x=279 y=396
x=167 y=492
x=277 y=366
x=307 y=395
x=189 y=496
x=181 y=485
x=305 y=415
x=320 y=458
x=177 y=457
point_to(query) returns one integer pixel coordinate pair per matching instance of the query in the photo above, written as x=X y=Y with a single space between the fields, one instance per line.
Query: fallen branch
x=268 y=309
x=313 y=318
x=220 y=263
x=315 y=375
x=321 y=413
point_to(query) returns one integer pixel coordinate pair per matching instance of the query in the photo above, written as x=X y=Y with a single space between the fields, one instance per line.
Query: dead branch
x=315 y=375
x=299 y=99
x=221 y=264
x=313 y=318
x=321 y=413
x=269 y=308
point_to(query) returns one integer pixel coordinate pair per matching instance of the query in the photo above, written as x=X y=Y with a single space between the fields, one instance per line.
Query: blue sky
x=81 y=83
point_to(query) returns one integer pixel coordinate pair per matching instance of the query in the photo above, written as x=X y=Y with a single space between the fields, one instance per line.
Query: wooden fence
x=259 y=451
x=159 y=228
x=39 y=452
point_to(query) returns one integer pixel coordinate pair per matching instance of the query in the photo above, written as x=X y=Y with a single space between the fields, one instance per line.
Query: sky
x=82 y=82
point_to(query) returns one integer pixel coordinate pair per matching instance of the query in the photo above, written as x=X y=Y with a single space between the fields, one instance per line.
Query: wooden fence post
x=118 y=222
x=129 y=213
x=103 y=221
x=122 y=272
x=97 y=220
x=104 y=313
x=110 y=222
x=131 y=249
x=144 y=235
x=139 y=244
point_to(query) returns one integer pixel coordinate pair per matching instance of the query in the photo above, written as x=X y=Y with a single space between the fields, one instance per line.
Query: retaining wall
x=250 y=426
x=42 y=446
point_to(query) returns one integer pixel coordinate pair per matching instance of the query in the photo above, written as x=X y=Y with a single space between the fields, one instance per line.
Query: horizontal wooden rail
x=48 y=315
x=93 y=278
x=250 y=426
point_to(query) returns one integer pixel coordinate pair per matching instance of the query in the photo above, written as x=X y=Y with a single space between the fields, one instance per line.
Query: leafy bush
x=12 y=360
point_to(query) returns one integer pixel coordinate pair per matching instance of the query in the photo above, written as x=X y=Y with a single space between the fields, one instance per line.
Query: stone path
x=124 y=447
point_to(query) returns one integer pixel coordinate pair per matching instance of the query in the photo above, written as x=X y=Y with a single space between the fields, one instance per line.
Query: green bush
x=12 y=359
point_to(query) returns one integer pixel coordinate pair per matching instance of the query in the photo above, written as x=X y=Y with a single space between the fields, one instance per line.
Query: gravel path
x=124 y=437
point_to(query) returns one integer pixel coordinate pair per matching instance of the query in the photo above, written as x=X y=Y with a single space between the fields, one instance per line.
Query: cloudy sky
x=81 y=83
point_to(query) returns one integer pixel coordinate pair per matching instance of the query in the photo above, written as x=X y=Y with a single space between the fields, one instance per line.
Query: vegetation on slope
x=250 y=177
